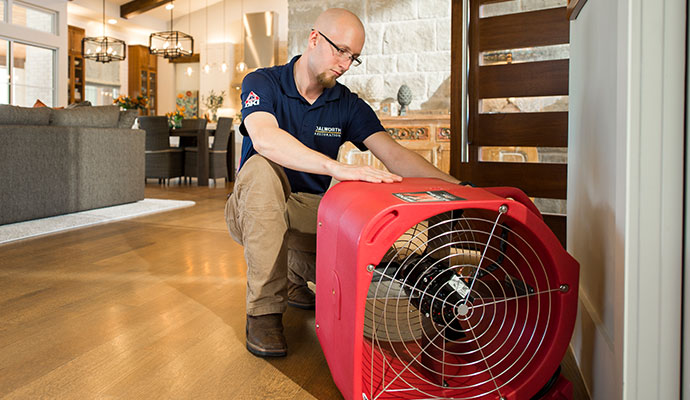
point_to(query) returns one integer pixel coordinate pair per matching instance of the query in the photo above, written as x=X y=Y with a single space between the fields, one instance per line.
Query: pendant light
x=190 y=70
x=171 y=44
x=103 y=48
x=224 y=66
x=207 y=67
x=242 y=66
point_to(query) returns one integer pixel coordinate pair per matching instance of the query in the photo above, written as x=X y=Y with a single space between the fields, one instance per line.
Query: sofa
x=56 y=162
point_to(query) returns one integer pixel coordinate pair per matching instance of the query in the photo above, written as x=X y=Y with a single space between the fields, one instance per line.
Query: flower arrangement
x=213 y=102
x=175 y=117
x=128 y=103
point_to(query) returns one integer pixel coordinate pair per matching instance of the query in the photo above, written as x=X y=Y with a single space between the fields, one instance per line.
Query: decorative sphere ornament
x=404 y=98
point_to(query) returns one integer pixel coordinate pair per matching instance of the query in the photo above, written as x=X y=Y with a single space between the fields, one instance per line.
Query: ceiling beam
x=136 y=7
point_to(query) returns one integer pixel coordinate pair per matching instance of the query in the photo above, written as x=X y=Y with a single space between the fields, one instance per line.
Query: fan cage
x=423 y=339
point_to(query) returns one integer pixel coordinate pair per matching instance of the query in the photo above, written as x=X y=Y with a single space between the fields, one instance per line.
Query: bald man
x=295 y=117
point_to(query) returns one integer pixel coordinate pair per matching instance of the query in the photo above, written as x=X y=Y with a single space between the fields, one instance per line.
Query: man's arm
x=403 y=161
x=284 y=149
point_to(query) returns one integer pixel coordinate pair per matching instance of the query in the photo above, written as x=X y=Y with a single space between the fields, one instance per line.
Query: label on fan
x=431 y=195
x=459 y=286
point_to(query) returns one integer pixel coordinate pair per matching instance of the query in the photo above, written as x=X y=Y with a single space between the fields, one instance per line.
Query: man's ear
x=313 y=35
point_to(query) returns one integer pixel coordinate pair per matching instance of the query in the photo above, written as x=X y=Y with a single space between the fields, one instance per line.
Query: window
x=4 y=72
x=101 y=95
x=30 y=75
x=3 y=7
x=33 y=17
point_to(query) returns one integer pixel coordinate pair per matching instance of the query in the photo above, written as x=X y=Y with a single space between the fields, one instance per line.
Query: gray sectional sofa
x=56 y=162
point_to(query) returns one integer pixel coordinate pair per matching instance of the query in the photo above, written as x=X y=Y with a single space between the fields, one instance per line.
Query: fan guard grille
x=458 y=308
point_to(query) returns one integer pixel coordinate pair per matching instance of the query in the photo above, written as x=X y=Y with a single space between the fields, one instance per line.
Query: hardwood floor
x=151 y=307
x=146 y=308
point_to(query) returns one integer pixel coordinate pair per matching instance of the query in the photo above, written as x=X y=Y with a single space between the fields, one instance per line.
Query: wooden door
x=512 y=63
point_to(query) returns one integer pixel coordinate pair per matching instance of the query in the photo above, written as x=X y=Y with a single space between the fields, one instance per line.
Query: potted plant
x=213 y=102
x=127 y=103
x=175 y=117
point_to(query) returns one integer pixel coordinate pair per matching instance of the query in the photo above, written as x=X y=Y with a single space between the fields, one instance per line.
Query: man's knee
x=261 y=178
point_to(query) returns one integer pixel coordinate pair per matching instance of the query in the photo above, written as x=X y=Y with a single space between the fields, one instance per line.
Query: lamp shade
x=103 y=49
x=171 y=44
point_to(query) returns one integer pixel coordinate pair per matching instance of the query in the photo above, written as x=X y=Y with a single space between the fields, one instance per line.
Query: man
x=295 y=117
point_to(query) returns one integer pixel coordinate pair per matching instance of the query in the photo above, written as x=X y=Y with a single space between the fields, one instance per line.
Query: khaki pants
x=278 y=231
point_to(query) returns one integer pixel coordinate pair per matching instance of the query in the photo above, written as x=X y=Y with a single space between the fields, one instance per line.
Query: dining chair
x=191 y=123
x=162 y=161
x=217 y=153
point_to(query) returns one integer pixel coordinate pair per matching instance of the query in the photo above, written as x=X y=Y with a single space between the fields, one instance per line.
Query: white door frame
x=654 y=223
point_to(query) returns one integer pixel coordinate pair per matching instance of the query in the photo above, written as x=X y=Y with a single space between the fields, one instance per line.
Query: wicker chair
x=191 y=123
x=162 y=161
x=217 y=154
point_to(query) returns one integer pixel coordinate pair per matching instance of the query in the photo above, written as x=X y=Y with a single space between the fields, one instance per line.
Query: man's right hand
x=346 y=172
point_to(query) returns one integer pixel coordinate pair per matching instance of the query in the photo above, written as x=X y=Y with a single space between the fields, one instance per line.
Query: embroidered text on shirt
x=328 y=131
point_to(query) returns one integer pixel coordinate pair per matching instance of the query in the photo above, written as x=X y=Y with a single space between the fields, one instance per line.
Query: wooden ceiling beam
x=136 y=7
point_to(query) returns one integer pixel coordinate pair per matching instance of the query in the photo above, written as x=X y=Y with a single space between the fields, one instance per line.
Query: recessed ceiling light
x=112 y=21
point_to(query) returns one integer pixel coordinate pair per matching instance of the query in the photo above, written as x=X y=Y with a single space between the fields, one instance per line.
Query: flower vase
x=178 y=122
x=214 y=115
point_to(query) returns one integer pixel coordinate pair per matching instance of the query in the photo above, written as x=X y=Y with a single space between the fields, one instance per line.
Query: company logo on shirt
x=252 y=100
x=327 y=131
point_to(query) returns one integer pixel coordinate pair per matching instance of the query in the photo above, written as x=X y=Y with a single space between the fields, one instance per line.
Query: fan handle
x=517 y=195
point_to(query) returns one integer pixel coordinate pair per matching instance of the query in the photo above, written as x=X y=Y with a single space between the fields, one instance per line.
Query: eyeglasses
x=342 y=53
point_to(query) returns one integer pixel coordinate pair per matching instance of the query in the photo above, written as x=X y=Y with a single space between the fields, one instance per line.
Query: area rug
x=44 y=226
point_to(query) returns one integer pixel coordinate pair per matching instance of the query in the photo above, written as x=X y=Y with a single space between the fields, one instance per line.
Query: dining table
x=201 y=136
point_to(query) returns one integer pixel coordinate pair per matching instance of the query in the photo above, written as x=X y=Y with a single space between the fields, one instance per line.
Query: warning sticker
x=423 y=197
x=461 y=287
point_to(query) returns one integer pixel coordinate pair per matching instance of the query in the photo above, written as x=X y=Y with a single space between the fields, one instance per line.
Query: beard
x=325 y=80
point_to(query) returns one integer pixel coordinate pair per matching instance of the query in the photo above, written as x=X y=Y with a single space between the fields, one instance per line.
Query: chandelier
x=171 y=44
x=103 y=48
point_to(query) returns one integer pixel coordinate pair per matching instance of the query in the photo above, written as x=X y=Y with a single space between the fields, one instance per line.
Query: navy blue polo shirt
x=336 y=117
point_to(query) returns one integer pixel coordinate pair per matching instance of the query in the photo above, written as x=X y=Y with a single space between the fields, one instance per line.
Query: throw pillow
x=95 y=117
x=15 y=115
x=39 y=104
x=127 y=118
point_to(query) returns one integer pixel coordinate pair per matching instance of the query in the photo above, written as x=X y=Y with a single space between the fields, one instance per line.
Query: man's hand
x=346 y=172
x=402 y=160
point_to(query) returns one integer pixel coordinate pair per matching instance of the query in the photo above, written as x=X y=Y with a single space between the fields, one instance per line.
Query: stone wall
x=407 y=42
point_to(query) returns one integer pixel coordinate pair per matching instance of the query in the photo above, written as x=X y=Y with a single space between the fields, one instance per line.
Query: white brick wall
x=407 y=41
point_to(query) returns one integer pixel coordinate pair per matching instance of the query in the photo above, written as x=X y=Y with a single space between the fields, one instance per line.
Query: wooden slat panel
x=473 y=78
x=514 y=31
x=535 y=179
x=543 y=78
x=457 y=66
x=574 y=8
x=557 y=223
x=546 y=129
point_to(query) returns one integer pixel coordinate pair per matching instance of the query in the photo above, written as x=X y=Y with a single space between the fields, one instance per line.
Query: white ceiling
x=93 y=9
x=182 y=7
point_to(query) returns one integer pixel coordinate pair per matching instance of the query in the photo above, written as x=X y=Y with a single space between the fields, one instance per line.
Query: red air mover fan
x=429 y=290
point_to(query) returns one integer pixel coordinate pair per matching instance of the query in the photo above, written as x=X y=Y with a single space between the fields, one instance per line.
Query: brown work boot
x=265 y=335
x=300 y=296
